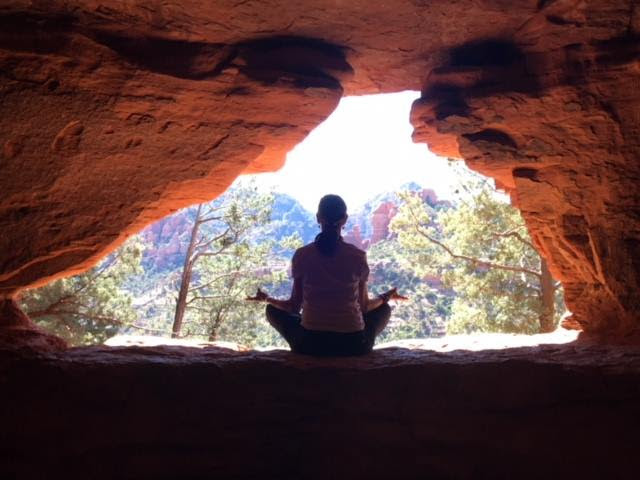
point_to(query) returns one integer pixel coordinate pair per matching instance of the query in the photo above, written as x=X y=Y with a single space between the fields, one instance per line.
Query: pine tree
x=93 y=306
x=480 y=249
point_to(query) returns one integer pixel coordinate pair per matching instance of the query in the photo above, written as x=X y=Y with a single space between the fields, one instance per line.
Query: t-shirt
x=330 y=287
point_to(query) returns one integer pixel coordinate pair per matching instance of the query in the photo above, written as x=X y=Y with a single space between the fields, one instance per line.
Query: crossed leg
x=288 y=325
x=377 y=319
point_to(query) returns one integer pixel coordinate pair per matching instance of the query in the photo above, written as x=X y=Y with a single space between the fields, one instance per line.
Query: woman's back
x=331 y=287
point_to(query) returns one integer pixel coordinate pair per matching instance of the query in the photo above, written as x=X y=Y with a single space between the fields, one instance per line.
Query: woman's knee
x=385 y=311
x=376 y=320
x=272 y=314
x=382 y=314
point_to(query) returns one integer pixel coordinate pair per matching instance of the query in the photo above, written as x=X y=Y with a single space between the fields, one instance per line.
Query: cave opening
x=440 y=233
x=116 y=114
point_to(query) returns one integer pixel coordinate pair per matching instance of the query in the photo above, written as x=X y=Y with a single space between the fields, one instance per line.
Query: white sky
x=362 y=149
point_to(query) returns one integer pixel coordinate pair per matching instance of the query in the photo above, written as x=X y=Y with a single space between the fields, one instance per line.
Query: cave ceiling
x=114 y=114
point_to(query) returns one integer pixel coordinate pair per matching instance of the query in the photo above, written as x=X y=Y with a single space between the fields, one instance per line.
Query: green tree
x=425 y=312
x=223 y=263
x=481 y=249
x=90 y=307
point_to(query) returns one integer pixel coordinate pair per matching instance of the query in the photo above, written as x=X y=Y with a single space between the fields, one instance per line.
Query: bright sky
x=362 y=149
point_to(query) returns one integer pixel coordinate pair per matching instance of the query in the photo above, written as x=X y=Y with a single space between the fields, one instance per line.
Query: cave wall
x=552 y=115
x=114 y=114
x=104 y=133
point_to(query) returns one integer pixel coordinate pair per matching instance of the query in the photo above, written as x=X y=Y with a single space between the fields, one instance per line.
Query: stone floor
x=564 y=410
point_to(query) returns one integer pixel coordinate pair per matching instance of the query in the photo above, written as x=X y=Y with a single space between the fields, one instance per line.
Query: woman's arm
x=367 y=304
x=291 y=305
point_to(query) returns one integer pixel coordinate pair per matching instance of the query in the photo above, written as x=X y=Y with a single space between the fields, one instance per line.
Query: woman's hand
x=260 y=296
x=392 y=295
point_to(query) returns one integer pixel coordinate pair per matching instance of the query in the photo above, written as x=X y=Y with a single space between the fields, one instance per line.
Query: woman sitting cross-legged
x=330 y=285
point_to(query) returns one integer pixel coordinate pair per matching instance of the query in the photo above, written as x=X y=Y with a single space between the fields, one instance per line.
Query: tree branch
x=513 y=233
x=211 y=254
x=214 y=280
x=105 y=319
x=208 y=219
x=206 y=297
x=477 y=261
x=204 y=244
x=110 y=262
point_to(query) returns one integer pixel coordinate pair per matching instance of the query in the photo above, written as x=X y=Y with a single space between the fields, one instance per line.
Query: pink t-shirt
x=330 y=287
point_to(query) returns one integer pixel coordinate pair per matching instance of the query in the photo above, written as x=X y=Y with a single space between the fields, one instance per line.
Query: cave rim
x=460 y=57
x=417 y=97
x=575 y=354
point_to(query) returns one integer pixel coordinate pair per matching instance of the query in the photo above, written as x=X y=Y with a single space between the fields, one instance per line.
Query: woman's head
x=332 y=215
x=332 y=212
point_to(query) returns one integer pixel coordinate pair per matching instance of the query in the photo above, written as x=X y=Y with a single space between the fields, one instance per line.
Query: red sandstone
x=115 y=114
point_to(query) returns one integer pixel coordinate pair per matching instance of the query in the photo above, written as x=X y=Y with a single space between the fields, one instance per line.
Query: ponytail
x=332 y=212
x=327 y=242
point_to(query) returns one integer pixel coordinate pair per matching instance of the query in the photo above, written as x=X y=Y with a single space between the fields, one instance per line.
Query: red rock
x=553 y=118
x=105 y=132
x=429 y=195
x=115 y=114
x=380 y=220
x=354 y=237
x=19 y=331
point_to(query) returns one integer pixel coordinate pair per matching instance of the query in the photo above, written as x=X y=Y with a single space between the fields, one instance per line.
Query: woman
x=330 y=285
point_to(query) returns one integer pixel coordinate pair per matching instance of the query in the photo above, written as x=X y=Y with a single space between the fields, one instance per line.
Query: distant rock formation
x=377 y=213
x=380 y=221
x=355 y=237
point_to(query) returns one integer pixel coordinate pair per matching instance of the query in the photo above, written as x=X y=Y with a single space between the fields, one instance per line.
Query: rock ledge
x=177 y=412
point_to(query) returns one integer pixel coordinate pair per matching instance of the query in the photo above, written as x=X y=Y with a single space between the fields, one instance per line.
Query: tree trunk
x=185 y=279
x=213 y=332
x=548 y=297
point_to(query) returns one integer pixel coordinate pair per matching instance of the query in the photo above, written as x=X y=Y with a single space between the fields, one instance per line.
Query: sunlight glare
x=362 y=149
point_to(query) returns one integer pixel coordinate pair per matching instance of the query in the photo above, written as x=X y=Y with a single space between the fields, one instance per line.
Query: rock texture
x=551 y=112
x=106 y=130
x=117 y=113
x=173 y=412
x=19 y=331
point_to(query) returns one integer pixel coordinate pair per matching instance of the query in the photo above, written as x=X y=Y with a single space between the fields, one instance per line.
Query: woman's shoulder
x=346 y=248
x=306 y=248
x=353 y=250
x=303 y=251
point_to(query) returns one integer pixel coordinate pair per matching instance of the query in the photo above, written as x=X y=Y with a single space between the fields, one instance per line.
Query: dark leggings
x=313 y=342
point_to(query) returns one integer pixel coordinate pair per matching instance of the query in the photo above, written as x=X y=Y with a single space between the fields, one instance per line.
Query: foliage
x=289 y=219
x=90 y=307
x=426 y=310
x=226 y=264
x=448 y=258
x=480 y=249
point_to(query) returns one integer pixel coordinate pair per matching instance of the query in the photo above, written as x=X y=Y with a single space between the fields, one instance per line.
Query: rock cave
x=115 y=114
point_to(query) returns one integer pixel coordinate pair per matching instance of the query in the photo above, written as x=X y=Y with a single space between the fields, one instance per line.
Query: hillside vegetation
x=467 y=265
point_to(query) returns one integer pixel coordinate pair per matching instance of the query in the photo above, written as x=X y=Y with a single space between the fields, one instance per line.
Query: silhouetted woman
x=330 y=285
